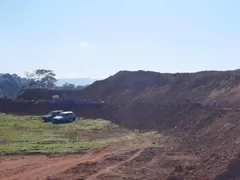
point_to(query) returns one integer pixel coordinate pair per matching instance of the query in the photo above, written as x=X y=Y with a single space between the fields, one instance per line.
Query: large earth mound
x=151 y=87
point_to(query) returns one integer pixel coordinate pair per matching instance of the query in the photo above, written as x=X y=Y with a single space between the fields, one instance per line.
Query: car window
x=66 y=115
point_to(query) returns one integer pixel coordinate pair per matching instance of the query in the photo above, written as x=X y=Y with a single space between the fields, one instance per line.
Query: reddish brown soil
x=151 y=87
x=141 y=160
x=203 y=142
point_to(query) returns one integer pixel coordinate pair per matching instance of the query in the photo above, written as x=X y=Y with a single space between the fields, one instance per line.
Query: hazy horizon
x=101 y=78
x=96 y=39
x=76 y=81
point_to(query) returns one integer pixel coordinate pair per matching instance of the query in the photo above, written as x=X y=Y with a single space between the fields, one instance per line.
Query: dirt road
x=139 y=159
x=165 y=158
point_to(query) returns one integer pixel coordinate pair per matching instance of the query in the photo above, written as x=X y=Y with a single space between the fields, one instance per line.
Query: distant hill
x=76 y=81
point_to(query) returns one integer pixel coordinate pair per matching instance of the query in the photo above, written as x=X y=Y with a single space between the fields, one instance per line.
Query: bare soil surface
x=137 y=159
x=199 y=142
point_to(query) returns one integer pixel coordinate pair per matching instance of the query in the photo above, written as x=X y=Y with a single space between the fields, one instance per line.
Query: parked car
x=49 y=117
x=64 y=117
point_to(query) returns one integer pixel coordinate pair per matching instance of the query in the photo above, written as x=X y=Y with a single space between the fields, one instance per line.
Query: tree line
x=12 y=84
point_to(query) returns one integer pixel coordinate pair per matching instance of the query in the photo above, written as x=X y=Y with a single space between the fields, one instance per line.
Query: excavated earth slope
x=151 y=87
x=199 y=141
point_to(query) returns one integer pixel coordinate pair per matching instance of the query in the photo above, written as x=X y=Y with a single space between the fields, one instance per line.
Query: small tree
x=42 y=79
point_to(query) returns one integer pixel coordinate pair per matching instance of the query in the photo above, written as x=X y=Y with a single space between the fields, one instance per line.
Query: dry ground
x=145 y=157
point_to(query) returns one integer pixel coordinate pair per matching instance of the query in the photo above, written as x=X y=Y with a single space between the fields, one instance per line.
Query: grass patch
x=29 y=134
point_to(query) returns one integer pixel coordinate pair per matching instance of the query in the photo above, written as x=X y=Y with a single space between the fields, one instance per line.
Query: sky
x=93 y=38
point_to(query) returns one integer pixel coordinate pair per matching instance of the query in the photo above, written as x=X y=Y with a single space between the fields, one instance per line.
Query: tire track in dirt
x=113 y=162
x=51 y=168
x=44 y=167
x=42 y=171
x=110 y=157
x=110 y=168
x=144 y=145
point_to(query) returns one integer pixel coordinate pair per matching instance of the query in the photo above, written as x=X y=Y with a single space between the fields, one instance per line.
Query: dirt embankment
x=211 y=135
x=151 y=87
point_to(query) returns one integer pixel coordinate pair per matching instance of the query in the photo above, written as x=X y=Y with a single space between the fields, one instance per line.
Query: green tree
x=42 y=79
x=10 y=85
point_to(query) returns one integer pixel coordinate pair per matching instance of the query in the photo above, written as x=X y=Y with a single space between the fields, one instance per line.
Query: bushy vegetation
x=11 y=85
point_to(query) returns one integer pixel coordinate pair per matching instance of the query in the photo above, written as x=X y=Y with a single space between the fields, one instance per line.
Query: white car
x=64 y=117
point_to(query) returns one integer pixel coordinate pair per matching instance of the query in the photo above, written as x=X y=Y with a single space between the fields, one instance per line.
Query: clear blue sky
x=97 y=38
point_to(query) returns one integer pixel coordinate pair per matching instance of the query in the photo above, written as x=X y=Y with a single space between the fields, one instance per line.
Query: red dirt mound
x=152 y=87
